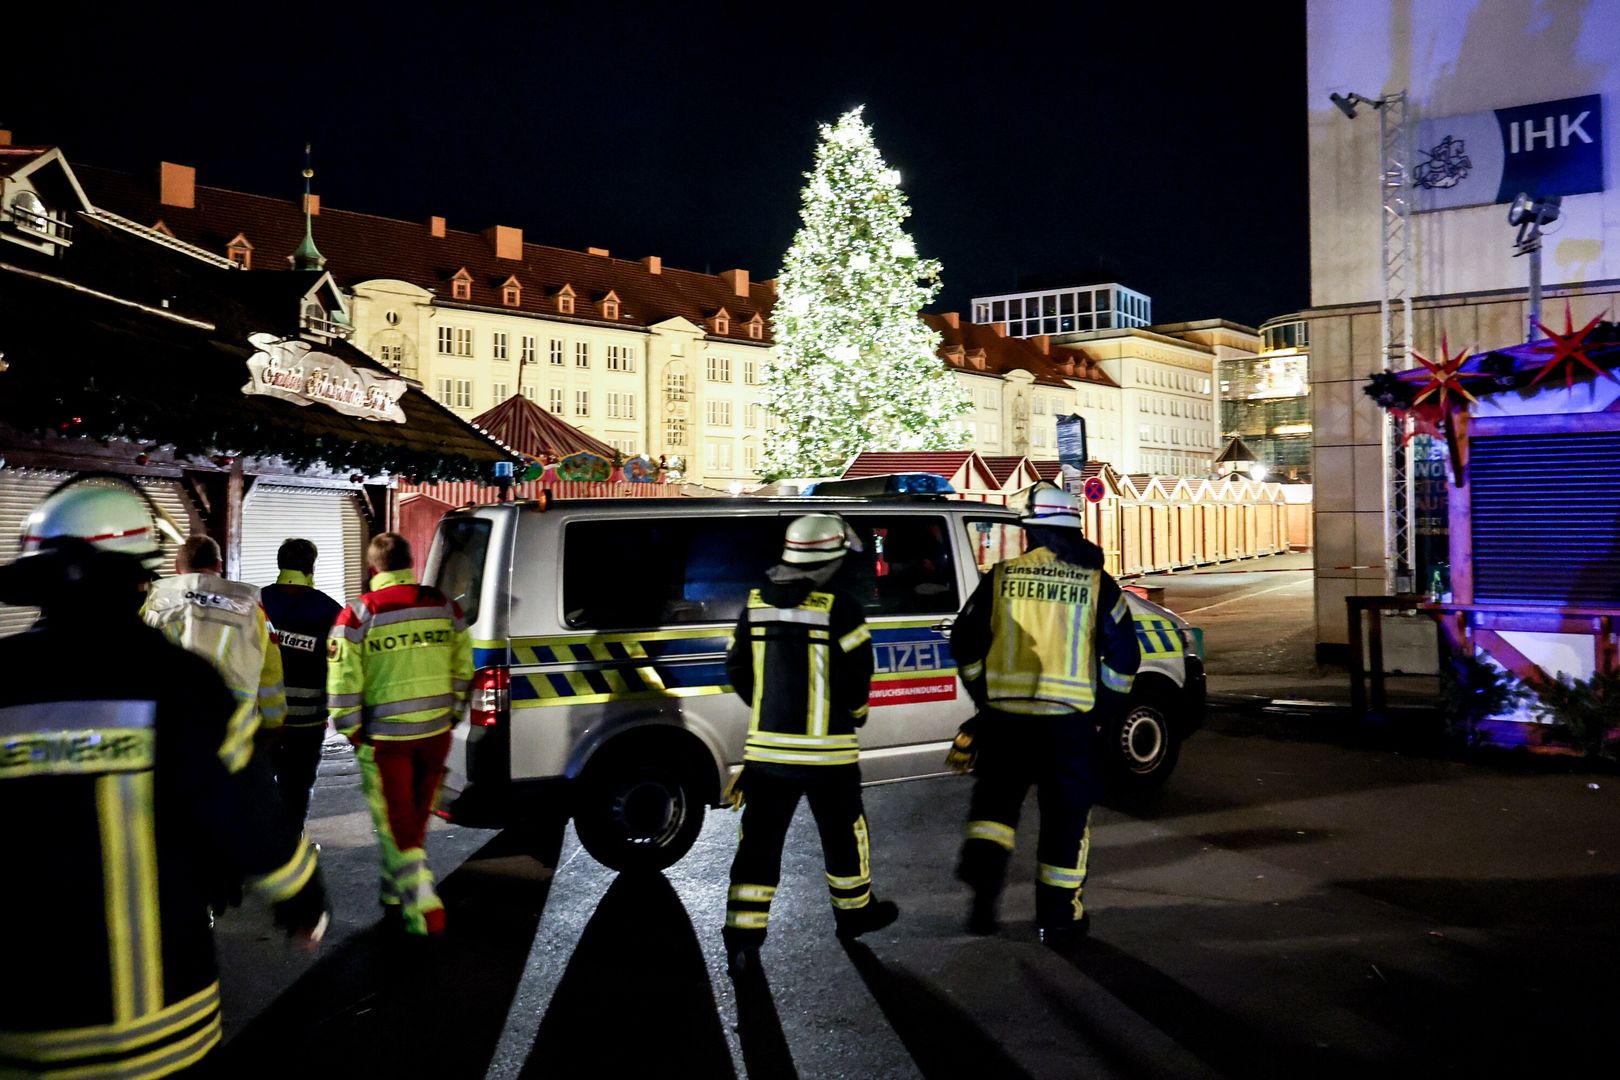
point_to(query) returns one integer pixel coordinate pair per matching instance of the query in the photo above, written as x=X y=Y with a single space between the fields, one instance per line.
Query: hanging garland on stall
x=1432 y=398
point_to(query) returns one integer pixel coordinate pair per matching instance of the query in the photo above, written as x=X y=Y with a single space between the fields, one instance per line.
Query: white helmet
x=1052 y=508
x=111 y=517
x=818 y=538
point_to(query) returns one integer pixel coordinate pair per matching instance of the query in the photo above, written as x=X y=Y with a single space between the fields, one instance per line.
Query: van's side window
x=625 y=574
x=906 y=568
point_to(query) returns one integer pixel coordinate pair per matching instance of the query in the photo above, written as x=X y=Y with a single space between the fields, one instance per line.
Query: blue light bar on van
x=891 y=484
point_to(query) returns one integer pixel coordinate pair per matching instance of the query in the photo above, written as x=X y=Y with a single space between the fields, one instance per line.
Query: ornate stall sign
x=583 y=468
x=291 y=369
x=640 y=470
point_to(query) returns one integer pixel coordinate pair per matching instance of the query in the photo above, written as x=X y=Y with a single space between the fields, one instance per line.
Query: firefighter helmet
x=1052 y=508
x=114 y=518
x=818 y=538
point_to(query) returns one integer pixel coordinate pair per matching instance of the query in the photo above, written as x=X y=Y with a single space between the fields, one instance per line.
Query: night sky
x=1160 y=146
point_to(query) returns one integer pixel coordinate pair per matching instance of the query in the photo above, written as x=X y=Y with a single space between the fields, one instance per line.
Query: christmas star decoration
x=1445 y=381
x=1567 y=350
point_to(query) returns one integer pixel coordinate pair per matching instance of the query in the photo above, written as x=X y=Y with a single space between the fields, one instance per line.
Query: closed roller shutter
x=23 y=489
x=331 y=520
x=1545 y=515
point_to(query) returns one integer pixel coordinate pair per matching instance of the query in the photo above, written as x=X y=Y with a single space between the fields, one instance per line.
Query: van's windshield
x=458 y=563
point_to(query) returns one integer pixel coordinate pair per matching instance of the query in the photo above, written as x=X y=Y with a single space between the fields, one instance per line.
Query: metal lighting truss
x=1395 y=331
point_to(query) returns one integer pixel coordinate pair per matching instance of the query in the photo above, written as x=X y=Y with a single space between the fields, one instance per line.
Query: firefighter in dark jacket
x=802 y=659
x=125 y=799
x=301 y=617
x=1047 y=648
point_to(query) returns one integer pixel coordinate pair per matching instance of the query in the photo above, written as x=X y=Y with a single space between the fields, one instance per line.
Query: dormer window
x=756 y=328
x=565 y=300
x=610 y=305
x=511 y=293
x=29 y=214
x=240 y=252
x=720 y=323
x=461 y=285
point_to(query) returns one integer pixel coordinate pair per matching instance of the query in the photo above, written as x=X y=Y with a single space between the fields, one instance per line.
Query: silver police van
x=600 y=629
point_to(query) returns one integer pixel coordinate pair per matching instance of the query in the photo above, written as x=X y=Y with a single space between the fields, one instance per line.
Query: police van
x=600 y=628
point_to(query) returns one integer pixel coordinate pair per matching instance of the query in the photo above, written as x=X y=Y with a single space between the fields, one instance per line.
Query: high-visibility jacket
x=301 y=618
x=802 y=658
x=121 y=812
x=399 y=661
x=222 y=622
x=1040 y=634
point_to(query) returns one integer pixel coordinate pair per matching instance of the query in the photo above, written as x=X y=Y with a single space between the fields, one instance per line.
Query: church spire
x=308 y=257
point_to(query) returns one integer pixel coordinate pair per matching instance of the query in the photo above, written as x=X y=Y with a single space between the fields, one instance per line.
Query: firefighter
x=222 y=622
x=802 y=658
x=399 y=666
x=1048 y=651
x=124 y=794
x=301 y=617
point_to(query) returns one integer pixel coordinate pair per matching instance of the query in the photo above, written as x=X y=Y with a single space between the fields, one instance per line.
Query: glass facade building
x=1265 y=399
x=1065 y=311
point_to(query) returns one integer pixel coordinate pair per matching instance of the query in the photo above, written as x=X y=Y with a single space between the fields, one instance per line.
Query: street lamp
x=1530 y=213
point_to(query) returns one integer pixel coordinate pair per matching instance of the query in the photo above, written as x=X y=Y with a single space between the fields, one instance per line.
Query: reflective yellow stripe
x=820 y=684
x=994 y=831
x=860 y=713
x=806 y=742
x=855 y=638
x=836 y=882
x=237 y=749
x=1114 y=680
x=43 y=1046
x=973 y=670
x=1121 y=609
x=863 y=844
x=748 y=920
x=757 y=894
x=285 y=881
x=115 y=896
x=845 y=903
x=789 y=757
x=143 y=864
x=1061 y=876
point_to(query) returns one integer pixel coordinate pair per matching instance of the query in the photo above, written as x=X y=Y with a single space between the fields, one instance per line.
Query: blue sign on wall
x=1071 y=439
x=1475 y=159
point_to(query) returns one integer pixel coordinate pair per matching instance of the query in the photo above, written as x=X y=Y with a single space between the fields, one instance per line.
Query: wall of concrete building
x=1469 y=289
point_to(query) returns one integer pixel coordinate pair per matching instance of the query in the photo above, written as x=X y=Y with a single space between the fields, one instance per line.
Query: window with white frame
x=1038 y=437
x=627 y=447
x=582 y=354
x=751 y=414
x=526 y=349
x=463 y=398
x=621 y=406
x=392 y=356
x=719 y=455
x=528 y=392
x=750 y=371
x=500 y=393
x=582 y=403
x=555 y=352
x=675 y=383
x=462 y=340
x=497 y=344
x=447 y=338
x=1039 y=407
x=675 y=432
x=719 y=369
x=446 y=388
x=990 y=398
x=621 y=358
x=718 y=413
x=990 y=432
x=554 y=400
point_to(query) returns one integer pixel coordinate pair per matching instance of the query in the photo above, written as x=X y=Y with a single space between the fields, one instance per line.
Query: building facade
x=651 y=359
x=1265 y=399
x=1498 y=101
x=1070 y=310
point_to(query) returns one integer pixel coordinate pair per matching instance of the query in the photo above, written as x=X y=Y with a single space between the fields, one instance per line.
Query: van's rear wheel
x=1142 y=746
x=633 y=813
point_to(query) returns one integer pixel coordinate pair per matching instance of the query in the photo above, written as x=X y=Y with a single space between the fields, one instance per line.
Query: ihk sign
x=1552 y=148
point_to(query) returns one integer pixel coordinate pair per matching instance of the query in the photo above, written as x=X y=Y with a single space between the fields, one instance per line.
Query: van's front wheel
x=633 y=813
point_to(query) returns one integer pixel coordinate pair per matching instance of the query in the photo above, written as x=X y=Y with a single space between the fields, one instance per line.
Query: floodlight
x=1527 y=208
x=1347 y=102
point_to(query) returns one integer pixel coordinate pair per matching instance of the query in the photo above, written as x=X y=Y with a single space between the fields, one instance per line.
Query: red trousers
x=401 y=780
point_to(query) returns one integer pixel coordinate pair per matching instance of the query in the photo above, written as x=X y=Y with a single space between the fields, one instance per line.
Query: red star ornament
x=1445 y=378
x=1567 y=349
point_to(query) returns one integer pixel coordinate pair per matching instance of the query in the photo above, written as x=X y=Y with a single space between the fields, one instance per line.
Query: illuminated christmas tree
x=854 y=367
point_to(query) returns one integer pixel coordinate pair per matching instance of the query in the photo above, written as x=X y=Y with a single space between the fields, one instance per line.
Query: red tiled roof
x=943 y=462
x=529 y=429
x=1003 y=467
x=1053 y=470
x=13 y=158
x=361 y=247
x=960 y=343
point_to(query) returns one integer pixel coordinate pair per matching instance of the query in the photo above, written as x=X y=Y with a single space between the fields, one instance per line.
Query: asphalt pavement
x=1282 y=908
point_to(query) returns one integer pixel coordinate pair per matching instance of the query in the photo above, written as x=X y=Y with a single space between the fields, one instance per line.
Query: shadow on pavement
x=1226 y=1042
x=377 y=1005
x=943 y=1041
x=765 y=1051
x=636 y=998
